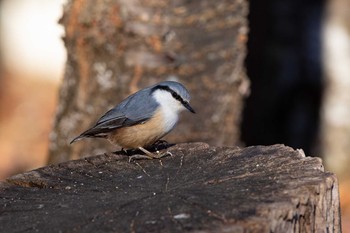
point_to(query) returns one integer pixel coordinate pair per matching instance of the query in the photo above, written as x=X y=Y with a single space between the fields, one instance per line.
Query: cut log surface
x=198 y=189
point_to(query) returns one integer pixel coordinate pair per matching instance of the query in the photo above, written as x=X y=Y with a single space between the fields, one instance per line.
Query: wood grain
x=198 y=189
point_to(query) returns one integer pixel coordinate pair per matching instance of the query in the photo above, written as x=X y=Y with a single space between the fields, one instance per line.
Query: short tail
x=94 y=132
x=77 y=139
x=82 y=136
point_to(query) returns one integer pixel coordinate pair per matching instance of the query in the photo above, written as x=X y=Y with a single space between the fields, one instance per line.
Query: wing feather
x=135 y=109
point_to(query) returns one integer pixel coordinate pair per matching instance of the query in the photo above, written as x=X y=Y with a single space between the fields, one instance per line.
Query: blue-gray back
x=138 y=107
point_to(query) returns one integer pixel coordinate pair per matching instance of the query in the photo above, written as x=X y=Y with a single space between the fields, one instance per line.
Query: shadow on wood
x=199 y=188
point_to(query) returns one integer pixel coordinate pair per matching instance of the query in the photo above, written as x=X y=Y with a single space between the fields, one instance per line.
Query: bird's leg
x=149 y=155
x=139 y=157
x=155 y=156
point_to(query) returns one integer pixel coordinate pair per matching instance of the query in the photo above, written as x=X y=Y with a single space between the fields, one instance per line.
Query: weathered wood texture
x=117 y=47
x=198 y=189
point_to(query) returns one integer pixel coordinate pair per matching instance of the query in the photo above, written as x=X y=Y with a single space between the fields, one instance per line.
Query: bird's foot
x=136 y=157
x=149 y=155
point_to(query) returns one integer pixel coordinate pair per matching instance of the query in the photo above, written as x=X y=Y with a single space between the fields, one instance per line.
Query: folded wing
x=133 y=110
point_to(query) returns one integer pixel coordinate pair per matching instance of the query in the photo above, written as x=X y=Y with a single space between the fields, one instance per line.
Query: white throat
x=170 y=108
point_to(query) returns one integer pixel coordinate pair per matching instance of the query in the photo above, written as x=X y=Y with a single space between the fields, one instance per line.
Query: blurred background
x=32 y=64
x=298 y=62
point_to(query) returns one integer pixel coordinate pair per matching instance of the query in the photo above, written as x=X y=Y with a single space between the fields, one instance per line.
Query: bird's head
x=172 y=95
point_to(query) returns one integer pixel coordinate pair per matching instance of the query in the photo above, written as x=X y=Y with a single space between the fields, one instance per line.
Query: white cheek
x=170 y=108
x=167 y=102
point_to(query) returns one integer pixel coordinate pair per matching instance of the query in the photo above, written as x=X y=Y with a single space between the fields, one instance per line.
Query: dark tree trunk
x=117 y=47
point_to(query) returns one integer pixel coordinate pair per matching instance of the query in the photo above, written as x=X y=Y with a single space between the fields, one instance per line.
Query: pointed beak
x=188 y=106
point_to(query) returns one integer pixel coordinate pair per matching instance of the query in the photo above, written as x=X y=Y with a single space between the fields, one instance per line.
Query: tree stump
x=198 y=189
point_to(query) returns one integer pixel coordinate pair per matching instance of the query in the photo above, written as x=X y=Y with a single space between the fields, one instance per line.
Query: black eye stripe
x=176 y=96
x=173 y=93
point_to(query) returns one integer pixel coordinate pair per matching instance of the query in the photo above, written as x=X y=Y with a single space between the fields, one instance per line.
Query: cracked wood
x=199 y=188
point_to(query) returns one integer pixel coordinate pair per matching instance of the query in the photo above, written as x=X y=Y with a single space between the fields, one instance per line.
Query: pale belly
x=141 y=135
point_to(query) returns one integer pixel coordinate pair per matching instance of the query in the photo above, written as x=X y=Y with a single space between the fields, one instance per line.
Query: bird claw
x=136 y=157
x=149 y=155
x=164 y=154
x=161 y=155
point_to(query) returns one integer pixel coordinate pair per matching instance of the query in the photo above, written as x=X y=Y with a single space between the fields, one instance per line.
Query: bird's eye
x=176 y=96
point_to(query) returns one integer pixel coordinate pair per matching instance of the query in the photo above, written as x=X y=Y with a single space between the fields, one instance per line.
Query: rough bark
x=198 y=189
x=116 y=47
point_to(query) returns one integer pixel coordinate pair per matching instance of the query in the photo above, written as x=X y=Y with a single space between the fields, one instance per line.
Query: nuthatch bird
x=142 y=118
